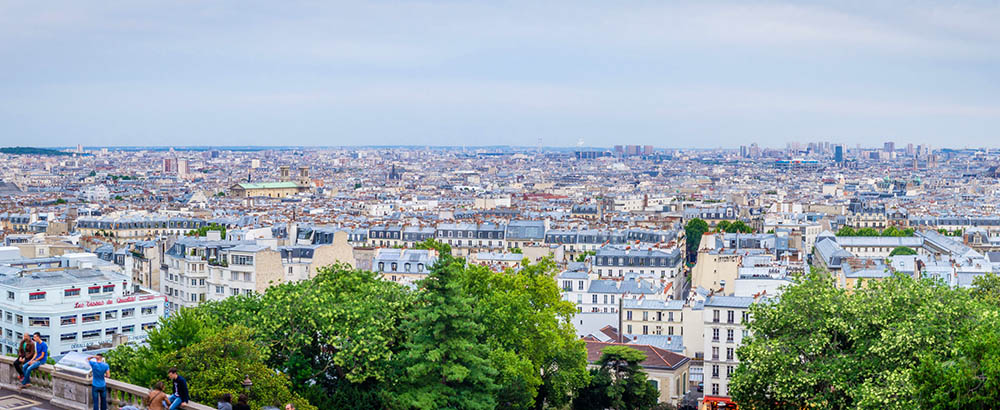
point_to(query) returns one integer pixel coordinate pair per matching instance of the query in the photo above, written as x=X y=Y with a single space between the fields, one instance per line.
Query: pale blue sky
x=670 y=74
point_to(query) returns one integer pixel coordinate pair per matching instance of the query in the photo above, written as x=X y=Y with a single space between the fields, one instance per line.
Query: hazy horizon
x=444 y=73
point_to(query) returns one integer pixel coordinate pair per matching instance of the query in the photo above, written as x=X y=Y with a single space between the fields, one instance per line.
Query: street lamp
x=247 y=383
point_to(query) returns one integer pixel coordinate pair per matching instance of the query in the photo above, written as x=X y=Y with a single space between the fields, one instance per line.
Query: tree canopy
x=693 y=232
x=466 y=338
x=902 y=250
x=618 y=383
x=895 y=343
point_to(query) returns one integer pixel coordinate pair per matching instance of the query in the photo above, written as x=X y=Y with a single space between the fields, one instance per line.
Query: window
x=731 y=316
x=729 y=335
x=67 y=337
x=130 y=312
x=729 y=353
x=729 y=371
x=71 y=293
x=235 y=291
x=715 y=334
x=109 y=288
x=715 y=353
x=149 y=310
x=93 y=290
x=128 y=329
x=645 y=315
x=235 y=275
x=629 y=329
x=715 y=388
x=67 y=320
x=242 y=260
x=594 y=298
x=219 y=290
x=20 y=319
x=715 y=371
x=91 y=317
x=628 y=315
x=148 y=326
x=38 y=321
x=10 y=295
x=90 y=334
x=110 y=331
x=36 y=296
x=645 y=330
x=715 y=316
x=579 y=285
x=670 y=316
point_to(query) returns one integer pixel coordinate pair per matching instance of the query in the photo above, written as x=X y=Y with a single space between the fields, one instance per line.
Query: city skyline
x=440 y=73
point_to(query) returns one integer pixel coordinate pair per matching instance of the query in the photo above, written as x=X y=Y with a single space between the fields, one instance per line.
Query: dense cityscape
x=499 y=205
x=667 y=252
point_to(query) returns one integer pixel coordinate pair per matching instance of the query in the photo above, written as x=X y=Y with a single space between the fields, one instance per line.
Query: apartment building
x=77 y=302
x=614 y=261
x=592 y=294
x=196 y=270
x=404 y=266
x=725 y=318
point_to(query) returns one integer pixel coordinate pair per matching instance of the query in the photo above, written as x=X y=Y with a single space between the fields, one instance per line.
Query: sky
x=665 y=73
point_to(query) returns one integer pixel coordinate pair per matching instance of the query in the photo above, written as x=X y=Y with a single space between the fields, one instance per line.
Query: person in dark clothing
x=180 y=395
x=41 y=355
x=242 y=403
x=25 y=352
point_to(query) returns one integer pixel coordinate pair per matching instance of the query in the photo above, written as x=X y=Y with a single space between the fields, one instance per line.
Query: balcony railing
x=72 y=392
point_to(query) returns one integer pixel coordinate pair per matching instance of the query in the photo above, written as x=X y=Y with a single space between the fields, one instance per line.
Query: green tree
x=340 y=329
x=847 y=231
x=722 y=226
x=986 y=288
x=891 y=231
x=618 y=383
x=823 y=347
x=443 y=249
x=583 y=256
x=902 y=250
x=693 y=232
x=527 y=326
x=867 y=232
x=739 y=227
x=214 y=358
x=969 y=378
x=443 y=364
x=220 y=363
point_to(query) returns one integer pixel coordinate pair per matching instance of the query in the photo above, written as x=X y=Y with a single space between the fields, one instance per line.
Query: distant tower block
x=284 y=173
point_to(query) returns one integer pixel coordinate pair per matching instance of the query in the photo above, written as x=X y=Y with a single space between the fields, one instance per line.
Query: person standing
x=41 y=355
x=25 y=352
x=180 y=395
x=99 y=387
x=242 y=403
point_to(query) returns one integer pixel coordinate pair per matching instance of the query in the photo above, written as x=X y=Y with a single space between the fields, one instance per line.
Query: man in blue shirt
x=99 y=388
x=180 y=395
x=41 y=355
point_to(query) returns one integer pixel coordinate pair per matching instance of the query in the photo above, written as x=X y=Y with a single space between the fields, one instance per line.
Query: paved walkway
x=10 y=400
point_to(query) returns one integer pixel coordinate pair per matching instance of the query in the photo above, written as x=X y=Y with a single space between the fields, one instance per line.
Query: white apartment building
x=725 y=317
x=592 y=294
x=196 y=270
x=77 y=302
